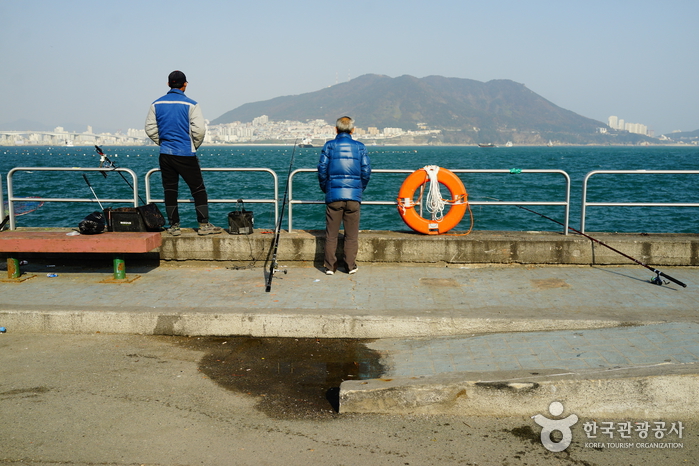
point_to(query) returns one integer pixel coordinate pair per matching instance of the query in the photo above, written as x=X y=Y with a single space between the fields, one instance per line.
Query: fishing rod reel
x=658 y=281
x=105 y=162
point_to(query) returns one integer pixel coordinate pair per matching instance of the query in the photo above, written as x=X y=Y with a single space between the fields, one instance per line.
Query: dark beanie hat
x=176 y=79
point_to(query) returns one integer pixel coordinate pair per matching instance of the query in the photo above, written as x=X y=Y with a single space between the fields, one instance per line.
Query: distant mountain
x=466 y=111
x=25 y=125
x=29 y=125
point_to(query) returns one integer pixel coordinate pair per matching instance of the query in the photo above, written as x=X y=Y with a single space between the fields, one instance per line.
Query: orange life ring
x=458 y=202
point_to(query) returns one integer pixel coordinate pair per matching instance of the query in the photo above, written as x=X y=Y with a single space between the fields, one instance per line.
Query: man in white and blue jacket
x=176 y=124
x=344 y=170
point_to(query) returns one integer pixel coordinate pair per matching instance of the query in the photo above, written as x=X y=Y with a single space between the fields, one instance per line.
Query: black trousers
x=171 y=168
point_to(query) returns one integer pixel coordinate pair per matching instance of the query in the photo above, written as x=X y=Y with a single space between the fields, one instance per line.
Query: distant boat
x=550 y=144
x=487 y=144
x=509 y=144
x=306 y=143
x=69 y=144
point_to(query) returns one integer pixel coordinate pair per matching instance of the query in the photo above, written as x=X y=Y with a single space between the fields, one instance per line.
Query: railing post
x=2 y=201
x=583 y=204
x=289 y=200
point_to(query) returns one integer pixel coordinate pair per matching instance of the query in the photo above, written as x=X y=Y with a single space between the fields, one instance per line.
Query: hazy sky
x=102 y=63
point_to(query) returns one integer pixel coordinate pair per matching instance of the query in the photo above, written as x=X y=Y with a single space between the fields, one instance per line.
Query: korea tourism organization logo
x=640 y=434
x=549 y=426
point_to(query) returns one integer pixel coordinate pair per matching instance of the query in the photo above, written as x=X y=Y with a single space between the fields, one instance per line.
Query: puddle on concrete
x=290 y=377
x=527 y=433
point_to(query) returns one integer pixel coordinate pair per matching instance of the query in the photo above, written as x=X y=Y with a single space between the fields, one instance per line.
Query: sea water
x=510 y=187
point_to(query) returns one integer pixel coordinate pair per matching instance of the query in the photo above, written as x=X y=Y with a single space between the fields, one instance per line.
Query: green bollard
x=119 y=267
x=13 y=268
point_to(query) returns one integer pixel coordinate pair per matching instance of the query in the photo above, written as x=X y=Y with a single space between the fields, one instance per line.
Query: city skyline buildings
x=260 y=130
x=619 y=124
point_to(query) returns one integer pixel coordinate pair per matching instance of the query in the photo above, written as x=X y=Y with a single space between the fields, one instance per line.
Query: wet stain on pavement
x=525 y=433
x=549 y=283
x=440 y=282
x=292 y=378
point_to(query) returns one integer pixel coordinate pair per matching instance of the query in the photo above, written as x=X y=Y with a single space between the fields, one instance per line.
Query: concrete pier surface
x=455 y=336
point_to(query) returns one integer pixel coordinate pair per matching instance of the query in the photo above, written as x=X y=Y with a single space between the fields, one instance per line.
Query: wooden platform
x=118 y=243
x=50 y=241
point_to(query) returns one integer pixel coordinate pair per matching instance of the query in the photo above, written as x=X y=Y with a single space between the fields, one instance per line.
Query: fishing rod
x=105 y=162
x=275 y=244
x=93 y=191
x=655 y=280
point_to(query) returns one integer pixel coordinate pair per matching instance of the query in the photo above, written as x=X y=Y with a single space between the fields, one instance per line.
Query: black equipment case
x=125 y=219
x=141 y=218
x=241 y=221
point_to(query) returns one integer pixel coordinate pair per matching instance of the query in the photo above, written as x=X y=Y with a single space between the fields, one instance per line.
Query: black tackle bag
x=152 y=217
x=241 y=221
x=92 y=224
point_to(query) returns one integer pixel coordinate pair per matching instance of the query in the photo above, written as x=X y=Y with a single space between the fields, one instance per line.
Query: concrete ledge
x=292 y=325
x=480 y=247
x=640 y=391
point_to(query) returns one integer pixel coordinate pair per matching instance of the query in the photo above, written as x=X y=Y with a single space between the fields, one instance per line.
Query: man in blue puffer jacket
x=344 y=170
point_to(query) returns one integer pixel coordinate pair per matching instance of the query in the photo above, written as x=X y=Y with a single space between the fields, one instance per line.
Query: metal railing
x=274 y=201
x=292 y=201
x=11 y=198
x=565 y=203
x=631 y=204
x=2 y=202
